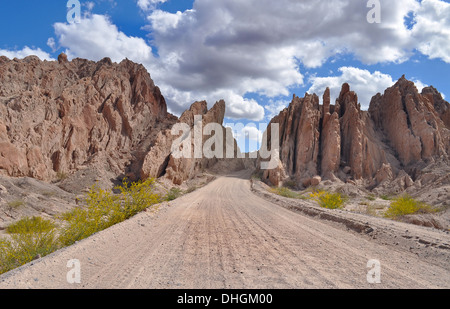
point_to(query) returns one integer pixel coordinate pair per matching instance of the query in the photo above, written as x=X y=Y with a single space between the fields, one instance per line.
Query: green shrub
x=386 y=197
x=34 y=237
x=406 y=205
x=173 y=194
x=290 y=184
x=191 y=189
x=328 y=200
x=30 y=225
x=30 y=238
x=257 y=175
x=371 y=198
x=285 y=192
x=105 y=209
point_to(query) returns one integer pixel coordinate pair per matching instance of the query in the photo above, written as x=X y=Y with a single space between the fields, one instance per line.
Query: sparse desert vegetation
x=173 y=194
x=31 y=238
x=330 y=200
x=406 y=205
x=286 y=192
x=384 y=205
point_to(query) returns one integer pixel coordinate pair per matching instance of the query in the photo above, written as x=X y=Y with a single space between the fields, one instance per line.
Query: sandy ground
x=225 y=236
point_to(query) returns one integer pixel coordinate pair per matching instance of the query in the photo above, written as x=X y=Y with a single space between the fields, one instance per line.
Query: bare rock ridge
x=160 y=160
x=58 y=117
x=102 y=119
x=394 y=145
x=108 y=120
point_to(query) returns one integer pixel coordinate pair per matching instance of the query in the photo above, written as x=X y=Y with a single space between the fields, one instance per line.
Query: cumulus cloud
x=432 y=29
x=248 y=137
x=25 y=52
x=227 y=49
x=363 y=82
x=96 y=37
x=274 y=107
x=227 y=46
x=147 y=5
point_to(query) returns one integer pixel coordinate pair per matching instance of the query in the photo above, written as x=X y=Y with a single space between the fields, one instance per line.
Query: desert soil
x=225 y=236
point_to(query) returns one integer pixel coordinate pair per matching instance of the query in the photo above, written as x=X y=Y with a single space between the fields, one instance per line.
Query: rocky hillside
x=77 y=122
x=402 y=142
x=160 y=160
x=59 y=117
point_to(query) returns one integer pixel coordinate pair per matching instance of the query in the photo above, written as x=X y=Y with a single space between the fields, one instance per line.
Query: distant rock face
x=441 y=106
x=62 y=117
x=160 y=160
x=56 y=117
x=410 y=123
x=299 y=137
x=402 y=132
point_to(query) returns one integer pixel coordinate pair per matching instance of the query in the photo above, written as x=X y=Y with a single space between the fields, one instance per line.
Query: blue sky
x=255 y=54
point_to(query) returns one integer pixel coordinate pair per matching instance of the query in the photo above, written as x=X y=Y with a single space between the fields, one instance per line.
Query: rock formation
x=85 y=118
x=402 y=133
x=410 y=123
x=60 y=117
x=57 y=117
x=160 y=160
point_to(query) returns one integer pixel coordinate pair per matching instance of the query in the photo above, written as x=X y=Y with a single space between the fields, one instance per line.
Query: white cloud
x=364 y=83
x=249 y=136
x=95 y=37
x=432 y=29
x=247 y=132
x=147 y=5
x=89 y=5
x=163 y=21
x=52 y=44
x=226 y=49
x=419 y=85
x=25 y=52
x=274 y=107
x=238 y=107
x=230 y=47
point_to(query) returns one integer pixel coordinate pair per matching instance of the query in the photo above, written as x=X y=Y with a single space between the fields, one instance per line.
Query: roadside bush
x=386 y=197
x=30 y=238
x=173 y=194
x=285 y=192
x=328 y=200
x=30 y=225
x=105 y=209
x=137 y=196
x=406 y=205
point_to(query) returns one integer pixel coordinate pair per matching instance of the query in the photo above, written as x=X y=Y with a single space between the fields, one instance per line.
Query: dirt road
x=224 y=236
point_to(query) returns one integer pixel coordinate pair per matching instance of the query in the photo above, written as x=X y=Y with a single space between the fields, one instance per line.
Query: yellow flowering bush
x=30 y=238
x=327 y=199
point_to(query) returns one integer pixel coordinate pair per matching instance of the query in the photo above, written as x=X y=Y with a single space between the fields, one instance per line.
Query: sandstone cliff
x=160 y=160
x=58 y=117
x=392 y=146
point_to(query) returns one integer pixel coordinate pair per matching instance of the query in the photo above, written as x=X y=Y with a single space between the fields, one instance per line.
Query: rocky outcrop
x=330 y=139
x=402 y=132
x=441 y=106
x=161 y=160
x=299 y=137
x=57 y=117
x=410 y=124
x=85 y=118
